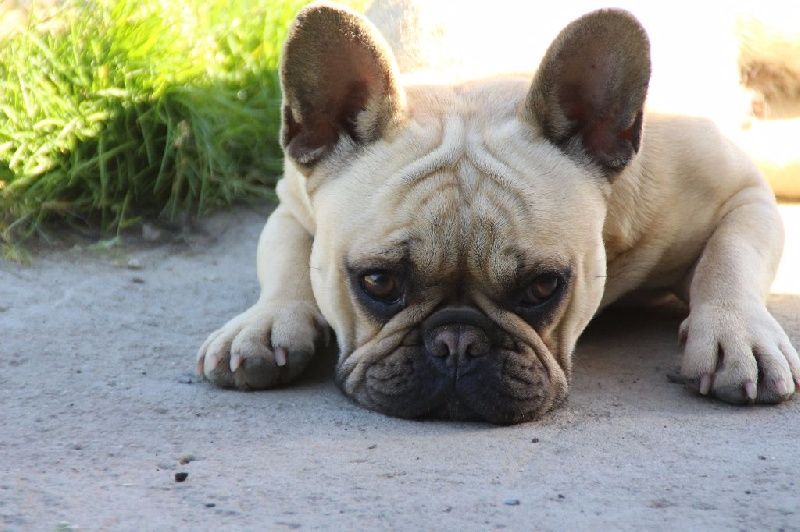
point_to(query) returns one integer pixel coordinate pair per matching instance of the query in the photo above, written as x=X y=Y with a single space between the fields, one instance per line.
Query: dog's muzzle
x=463 y=366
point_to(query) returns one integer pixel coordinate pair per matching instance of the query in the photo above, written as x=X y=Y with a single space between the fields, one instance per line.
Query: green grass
x=115 y=110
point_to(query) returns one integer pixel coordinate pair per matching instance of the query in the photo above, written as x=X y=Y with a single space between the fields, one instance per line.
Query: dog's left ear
x=339 y=78
x=589 y=91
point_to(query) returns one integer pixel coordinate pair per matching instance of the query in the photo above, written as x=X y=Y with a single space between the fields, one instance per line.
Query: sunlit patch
x=787 y=281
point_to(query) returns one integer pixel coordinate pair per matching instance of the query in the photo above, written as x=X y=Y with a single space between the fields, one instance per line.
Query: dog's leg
x=733 y=348
x=271 y=342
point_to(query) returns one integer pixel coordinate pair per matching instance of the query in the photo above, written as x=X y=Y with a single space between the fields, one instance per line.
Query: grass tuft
x=114 y=110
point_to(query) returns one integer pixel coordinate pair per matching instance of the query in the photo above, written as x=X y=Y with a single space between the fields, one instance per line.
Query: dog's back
x=696 y=60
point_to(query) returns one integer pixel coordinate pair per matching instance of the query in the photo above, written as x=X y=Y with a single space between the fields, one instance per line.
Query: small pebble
x=187 y=378
x=374 y=445
x=535 y=440
x=134 y=264
x=762 y=457
x=186 y=458
x=511 y=502
x=210 y=505
x=137 y=280
x=561 y=496
x=180 y=477
x=150 y=233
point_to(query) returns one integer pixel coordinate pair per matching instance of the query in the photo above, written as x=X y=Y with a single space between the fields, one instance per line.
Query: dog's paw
x=265 y=346
x=738 y=356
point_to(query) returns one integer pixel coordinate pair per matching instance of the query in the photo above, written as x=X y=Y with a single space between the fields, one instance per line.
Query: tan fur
x=465 y=186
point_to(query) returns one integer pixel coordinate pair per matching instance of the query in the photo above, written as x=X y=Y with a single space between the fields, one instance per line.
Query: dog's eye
x=382 y=285
x=541 y=289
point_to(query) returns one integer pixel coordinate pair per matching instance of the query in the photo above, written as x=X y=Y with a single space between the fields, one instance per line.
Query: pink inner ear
x=610 y=145
x=594 y=108
x=350 y=77
x=600 y=140
x=306 y=143
x=351 y=102
x=627 y=135
x=345 y=82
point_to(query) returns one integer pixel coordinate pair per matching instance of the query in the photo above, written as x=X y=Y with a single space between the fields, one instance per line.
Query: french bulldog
x=457 y=239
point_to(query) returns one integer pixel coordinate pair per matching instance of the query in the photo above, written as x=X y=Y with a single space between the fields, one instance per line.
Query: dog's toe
x=255 y=373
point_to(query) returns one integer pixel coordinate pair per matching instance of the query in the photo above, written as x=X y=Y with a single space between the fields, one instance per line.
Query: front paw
x=738 y=356
x=267 y=345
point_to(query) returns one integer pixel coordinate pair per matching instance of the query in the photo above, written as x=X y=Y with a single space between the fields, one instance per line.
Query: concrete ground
x=99 y=407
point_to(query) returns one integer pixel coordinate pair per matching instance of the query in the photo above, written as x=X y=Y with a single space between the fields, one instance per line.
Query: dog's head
x=459 y=248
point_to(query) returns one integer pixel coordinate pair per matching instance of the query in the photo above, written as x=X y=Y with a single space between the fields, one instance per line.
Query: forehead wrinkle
x=466 y=217
x=482 y=155
x=486 y=223
x=466 y=194
x=497 y=195
x=442 y=215
x=505 y=205
x=489 y=260
x=505 y=211
x=449 y=150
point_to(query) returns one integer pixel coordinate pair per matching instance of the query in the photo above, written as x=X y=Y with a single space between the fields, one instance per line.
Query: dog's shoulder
x=667 y=203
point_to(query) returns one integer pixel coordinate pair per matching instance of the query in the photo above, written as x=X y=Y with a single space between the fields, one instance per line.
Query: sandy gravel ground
x=99 y=407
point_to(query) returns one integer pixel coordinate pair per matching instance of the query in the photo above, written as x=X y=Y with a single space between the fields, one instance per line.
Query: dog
x=457 y=239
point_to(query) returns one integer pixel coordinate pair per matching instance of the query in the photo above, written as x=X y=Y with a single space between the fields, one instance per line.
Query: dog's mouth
x=459 y=364
x=501 y=386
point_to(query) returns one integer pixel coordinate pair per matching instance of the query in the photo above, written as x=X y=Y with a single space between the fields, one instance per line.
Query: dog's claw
x=705 y=384
x=750 y=390
x=781 y=387
x=211 y=361
x=280 y=356
x=236 y=361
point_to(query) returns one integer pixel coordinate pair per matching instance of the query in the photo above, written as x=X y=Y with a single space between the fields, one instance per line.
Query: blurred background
x=113 y=111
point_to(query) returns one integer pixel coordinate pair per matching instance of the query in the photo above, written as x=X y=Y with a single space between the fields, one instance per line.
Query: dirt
x=100 y=412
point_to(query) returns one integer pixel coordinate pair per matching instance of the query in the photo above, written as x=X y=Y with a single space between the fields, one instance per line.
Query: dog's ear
x=589 y=91
x=338 y=78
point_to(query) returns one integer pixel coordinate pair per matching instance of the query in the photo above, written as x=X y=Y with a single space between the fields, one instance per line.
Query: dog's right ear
x=588 y=94
x=339 y=78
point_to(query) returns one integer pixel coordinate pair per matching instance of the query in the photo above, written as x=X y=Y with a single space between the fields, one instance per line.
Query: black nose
x=455 y=333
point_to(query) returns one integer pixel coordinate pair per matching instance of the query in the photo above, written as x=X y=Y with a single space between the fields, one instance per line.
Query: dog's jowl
x=458 y=238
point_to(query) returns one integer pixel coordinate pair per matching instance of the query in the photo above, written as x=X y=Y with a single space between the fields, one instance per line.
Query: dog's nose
x=461 y=340
x=456 y=332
